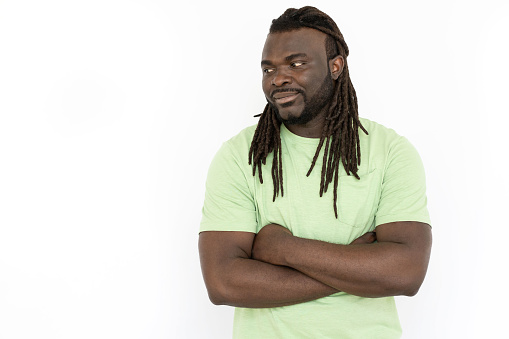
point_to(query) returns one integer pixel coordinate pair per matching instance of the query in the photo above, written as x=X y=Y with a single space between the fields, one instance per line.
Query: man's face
x=296 y=78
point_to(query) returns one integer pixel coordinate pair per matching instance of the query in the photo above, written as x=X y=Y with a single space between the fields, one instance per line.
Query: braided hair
x=340 y=131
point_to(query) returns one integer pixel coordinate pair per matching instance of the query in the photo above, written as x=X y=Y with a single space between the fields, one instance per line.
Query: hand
x=367 y=238
x=268 y=244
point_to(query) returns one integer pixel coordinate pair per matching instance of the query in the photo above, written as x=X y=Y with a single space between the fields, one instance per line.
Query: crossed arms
x=274 y=268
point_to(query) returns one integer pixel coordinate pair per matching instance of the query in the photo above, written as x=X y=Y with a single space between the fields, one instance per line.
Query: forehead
x=304 y=40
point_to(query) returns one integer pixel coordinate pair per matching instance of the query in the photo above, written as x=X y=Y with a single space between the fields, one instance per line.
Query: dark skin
x=297 y=61
x=233 y=277
x=395 y=265
x=275 y=268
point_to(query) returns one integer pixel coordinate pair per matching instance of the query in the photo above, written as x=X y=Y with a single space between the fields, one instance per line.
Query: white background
x=110 y=112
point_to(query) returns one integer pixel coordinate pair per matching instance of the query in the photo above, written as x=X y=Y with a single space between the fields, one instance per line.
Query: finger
x=372 y=237
x=366 y=238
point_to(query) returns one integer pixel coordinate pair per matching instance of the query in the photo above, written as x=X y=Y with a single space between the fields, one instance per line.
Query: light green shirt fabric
x=391 y=188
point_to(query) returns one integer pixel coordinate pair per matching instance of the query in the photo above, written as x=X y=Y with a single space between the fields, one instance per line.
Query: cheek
x=314 y=82
x=266 y=87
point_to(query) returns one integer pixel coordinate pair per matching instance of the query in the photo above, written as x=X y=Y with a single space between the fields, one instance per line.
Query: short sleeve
x=229 y=204
x=403 y=193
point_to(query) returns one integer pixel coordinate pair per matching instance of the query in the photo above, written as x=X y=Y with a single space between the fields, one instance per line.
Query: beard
x=313 y=106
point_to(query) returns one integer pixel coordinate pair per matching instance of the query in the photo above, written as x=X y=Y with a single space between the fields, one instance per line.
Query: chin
x=292 y=118
x=288 y=115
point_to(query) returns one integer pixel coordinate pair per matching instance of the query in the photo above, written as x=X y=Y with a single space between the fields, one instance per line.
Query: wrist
x=286 y=249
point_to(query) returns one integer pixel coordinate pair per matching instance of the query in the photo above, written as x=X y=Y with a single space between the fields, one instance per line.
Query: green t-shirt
x=391 y=188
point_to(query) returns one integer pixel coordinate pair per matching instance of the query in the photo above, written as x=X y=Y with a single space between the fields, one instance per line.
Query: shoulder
x=238 y=146
x=236 y=149
x=378 y=132
x=242 y=139
x=380 y=137
x=384 y=145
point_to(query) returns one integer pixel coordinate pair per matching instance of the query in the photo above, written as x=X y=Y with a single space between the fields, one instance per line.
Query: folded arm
x=395 y=265
x=233 y=278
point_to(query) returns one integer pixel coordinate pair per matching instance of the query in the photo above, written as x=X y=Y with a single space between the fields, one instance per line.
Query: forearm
x=396 y=265
x=233 y=278
x=374 y=270
x=254 y=284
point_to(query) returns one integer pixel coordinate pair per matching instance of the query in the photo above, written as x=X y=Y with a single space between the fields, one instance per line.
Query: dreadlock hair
x=340 y=131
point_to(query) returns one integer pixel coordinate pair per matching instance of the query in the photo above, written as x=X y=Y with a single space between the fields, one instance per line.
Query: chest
x=305 y=213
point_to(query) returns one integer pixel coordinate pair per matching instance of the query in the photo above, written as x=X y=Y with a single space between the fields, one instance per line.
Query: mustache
x=283 y=90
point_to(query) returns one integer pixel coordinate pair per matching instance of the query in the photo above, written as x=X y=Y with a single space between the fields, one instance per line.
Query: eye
x=297 y=64
x=268 y=70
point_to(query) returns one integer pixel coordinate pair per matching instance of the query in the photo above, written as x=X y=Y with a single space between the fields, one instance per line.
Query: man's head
x=305 y=80
x=301 y=58
x=298 y=77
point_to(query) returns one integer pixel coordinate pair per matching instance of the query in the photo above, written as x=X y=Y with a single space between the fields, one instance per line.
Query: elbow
x=395 y=289
x=398 y=288
x=216 y=298
x=216 y=294
x=411 y=284
x=412 y=290
x=221 y=293
x=403 y=283
x=408 y=280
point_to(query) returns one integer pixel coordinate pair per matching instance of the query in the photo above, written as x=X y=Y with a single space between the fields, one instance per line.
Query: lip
x=284 y=97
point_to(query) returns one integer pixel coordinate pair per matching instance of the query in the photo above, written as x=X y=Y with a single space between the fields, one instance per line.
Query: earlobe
x=336 y=66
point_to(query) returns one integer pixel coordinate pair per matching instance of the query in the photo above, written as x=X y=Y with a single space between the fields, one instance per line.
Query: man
x=298 y=258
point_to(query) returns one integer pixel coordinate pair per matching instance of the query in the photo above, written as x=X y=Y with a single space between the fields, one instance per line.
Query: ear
x=336 y=66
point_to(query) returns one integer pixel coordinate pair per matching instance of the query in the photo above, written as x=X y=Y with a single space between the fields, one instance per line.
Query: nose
x=281 y=78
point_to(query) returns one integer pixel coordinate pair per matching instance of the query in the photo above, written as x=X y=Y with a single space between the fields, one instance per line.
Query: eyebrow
x=288 y=58
x=295 y=56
